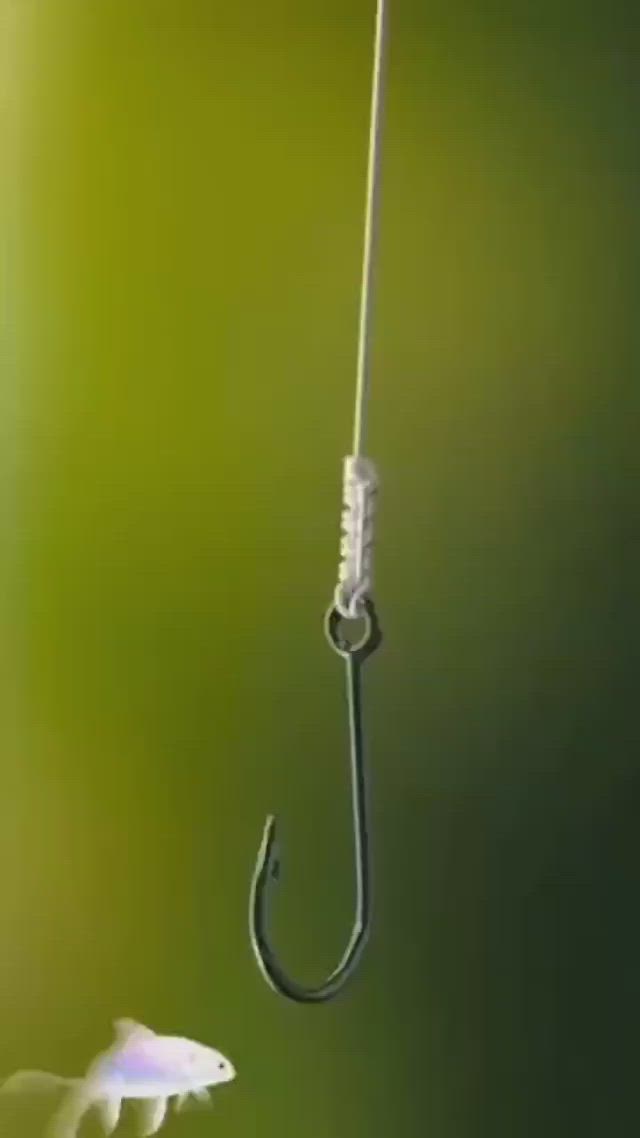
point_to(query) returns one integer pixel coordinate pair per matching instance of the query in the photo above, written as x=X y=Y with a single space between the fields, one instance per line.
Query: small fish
x=138 y=1065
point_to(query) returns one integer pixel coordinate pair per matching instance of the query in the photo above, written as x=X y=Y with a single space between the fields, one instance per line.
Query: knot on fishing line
x=355 y=574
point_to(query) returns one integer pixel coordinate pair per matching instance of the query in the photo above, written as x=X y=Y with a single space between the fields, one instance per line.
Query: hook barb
x=268 y=863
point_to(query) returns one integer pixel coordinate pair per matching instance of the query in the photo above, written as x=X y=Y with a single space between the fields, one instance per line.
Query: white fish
x=138 y=1065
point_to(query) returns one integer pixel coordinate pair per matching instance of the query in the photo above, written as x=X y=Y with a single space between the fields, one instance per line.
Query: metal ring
x=368 y=642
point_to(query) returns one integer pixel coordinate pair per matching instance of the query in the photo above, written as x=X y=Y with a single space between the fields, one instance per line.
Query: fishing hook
x=268 y=865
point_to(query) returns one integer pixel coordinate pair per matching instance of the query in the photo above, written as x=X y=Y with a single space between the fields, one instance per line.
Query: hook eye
x=355 y=639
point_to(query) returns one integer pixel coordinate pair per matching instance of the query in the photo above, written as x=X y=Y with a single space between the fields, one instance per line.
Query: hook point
x=269 y=860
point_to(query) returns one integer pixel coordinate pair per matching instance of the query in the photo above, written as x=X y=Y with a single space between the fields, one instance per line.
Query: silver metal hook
x=267 y=864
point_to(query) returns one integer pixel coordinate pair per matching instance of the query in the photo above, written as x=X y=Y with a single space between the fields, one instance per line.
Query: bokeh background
x=181 y=219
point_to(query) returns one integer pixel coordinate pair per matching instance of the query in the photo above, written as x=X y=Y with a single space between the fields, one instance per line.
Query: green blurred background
x=177 y=384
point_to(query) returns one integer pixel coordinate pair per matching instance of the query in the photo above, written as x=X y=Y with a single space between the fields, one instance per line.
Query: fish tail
x=33 y=1082
x=66 y=1120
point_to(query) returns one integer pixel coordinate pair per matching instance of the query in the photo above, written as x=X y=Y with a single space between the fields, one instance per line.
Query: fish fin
x=126 y=1028
x=109 y=1110
x=202 y=1095
x=66 y=1120
x=184 y=1101
x=33 y=1082
x=153 y=1115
